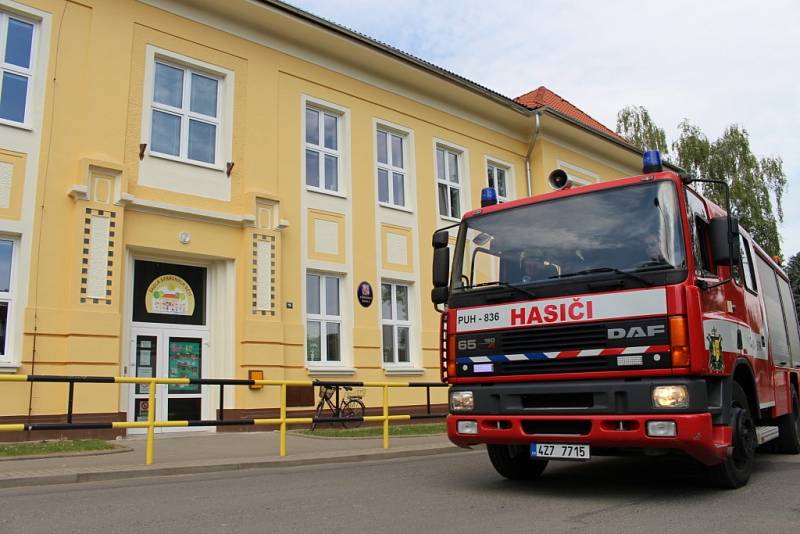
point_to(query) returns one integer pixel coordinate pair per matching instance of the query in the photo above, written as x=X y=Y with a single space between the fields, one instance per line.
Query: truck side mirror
x=724 y=234
x=441 y=239
x=441 y=266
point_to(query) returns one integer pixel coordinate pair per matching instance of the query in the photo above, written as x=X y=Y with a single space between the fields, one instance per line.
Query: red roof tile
x=545 y=97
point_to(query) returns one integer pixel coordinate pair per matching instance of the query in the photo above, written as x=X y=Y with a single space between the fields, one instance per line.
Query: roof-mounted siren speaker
x=558 y=179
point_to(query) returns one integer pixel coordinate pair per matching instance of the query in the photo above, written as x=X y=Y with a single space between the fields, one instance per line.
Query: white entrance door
x=172 y=352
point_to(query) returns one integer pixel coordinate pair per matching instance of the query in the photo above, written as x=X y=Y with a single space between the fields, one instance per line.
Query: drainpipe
x=531 y=144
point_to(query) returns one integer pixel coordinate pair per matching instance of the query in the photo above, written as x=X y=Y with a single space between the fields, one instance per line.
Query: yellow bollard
x=151 y=421
x=385 y=416
x=283 y=420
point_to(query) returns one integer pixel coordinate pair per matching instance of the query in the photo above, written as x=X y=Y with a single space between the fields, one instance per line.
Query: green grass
x=53 y=447
x=377 y=431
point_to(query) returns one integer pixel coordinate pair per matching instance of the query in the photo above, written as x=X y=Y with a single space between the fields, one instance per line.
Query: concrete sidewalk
x=205 y=452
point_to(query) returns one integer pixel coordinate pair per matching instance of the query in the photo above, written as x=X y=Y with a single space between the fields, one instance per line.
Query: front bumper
x=696 y=436
x=608 y=415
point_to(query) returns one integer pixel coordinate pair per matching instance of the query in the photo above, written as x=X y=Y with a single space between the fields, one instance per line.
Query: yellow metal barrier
x=151 y=424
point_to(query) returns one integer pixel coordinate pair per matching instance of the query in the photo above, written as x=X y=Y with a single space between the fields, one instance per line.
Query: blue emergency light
x=651 y=162
x=488 y=197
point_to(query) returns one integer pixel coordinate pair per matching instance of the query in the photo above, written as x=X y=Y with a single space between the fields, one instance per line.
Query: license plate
x=560 y=451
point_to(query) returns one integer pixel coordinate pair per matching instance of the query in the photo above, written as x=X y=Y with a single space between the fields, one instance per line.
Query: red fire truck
x=631 y=316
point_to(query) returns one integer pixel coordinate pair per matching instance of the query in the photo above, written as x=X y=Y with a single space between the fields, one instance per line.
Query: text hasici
x=577 y=310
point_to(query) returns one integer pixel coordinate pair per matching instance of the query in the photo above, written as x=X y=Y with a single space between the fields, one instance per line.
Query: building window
x=391 y=168
x=186 y=114
x=323 y=151
x=395 y=323
x=448 y=178
x=16 y=47
x=323 y=318
x=6 y=296
x=497 y=176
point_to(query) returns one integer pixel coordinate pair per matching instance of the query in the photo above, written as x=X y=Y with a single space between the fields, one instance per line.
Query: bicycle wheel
x=352 y=413
x=317 y=413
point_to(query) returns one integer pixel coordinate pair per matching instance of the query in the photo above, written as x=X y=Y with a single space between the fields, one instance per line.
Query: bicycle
x=350 y=410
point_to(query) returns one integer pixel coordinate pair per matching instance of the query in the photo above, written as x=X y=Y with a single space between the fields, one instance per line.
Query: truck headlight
x=461 y=401
x=671 y=397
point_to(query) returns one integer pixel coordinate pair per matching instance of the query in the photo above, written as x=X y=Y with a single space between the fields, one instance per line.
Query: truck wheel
x=735 y=471
x=514 y=462
x=789 y=428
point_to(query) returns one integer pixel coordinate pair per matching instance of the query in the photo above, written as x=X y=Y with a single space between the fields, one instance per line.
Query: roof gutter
x=397 y=54
x=627 y=146
x=454 y=78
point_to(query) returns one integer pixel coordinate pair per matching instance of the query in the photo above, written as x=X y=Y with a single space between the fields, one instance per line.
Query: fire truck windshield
x=621 y=232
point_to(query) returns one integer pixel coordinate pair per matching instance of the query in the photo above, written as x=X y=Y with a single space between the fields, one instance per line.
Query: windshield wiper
x=606 y=270
x=527 y=292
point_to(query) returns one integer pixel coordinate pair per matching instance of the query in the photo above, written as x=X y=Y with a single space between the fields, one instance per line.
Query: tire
x=353 y=411
x=514 y=462
x=735 y=471
x=317 y=414
x=789 y=427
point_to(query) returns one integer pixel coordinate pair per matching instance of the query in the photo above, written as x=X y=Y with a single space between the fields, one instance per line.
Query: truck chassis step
x=766 y=433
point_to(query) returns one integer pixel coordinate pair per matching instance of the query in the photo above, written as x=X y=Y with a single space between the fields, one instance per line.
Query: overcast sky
x=715 y=63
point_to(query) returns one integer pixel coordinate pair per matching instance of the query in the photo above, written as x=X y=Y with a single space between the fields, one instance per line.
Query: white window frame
x=16 y=69
x=324 y=319
x=508 y=170
x=186 y=114
x=342 y=138
x=394 y=322
x=391 y=168
x=10 y=296
x=460 y=186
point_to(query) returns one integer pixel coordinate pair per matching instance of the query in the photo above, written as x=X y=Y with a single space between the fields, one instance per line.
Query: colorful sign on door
x=185 y=357
x=169 y=295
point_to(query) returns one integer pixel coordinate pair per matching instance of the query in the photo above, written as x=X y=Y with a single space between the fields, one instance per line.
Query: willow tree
x=756 y=184
x=635 y=124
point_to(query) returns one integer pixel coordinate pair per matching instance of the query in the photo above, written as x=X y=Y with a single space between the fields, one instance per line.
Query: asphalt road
x=454 y=493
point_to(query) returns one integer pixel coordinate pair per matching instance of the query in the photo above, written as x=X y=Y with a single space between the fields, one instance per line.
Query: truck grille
x=554 y=338
x=554 y=349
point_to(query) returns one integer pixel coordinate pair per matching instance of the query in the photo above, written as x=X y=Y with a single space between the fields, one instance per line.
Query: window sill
x=9 y=368
x=186 y=161
x=449 y=219
x=312 y=189
x=403 y=371
x=19 y=125
x=395 y=207
x=330 y=370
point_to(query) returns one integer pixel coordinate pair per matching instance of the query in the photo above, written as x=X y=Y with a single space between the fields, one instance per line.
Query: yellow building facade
x=202 y=188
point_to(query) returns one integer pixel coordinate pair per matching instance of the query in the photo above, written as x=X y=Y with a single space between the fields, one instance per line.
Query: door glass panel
x=146 y=362
x=185 y=360
x=184 y=409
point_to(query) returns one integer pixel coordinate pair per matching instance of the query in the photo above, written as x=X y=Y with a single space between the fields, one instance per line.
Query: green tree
x=635 y=124
x=757 y=185
x=792 y=269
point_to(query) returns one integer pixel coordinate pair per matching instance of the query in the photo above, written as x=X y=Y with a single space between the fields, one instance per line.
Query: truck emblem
x=636 y=331
x=715 y=361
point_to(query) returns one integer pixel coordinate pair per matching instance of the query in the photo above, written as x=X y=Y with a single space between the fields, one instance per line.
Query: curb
x=167 y=470
x=115 y=450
